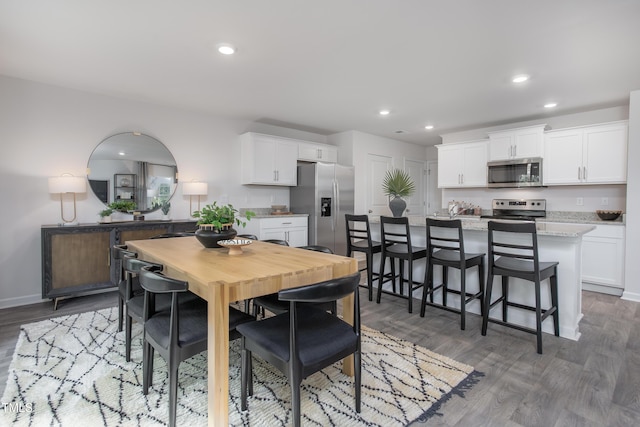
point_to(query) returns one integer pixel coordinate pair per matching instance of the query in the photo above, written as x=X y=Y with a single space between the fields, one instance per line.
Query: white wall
x=46 y=131
x=632 y=266
x=559 y=198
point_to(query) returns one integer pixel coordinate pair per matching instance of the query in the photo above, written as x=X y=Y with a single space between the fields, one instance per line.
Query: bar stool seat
x=359 y=240
x=396 y=244
x=445 y=247
x=511 y=257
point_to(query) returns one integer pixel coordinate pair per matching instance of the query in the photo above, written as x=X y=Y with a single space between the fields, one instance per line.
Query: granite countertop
x=472 y=222
x=266 y=213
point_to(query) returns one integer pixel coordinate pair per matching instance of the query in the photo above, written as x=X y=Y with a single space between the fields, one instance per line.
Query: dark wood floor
x=592 y=382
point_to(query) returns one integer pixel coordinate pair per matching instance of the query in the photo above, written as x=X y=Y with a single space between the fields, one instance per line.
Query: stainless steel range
x=521 y=209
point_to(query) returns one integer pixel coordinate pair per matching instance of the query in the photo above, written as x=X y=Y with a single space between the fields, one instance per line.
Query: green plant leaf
x=398 y=183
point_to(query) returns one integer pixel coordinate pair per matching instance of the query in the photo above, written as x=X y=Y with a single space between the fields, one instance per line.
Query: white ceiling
x=328 y=66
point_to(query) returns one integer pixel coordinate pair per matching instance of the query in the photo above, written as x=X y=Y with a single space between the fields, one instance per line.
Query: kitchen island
x=556 y=242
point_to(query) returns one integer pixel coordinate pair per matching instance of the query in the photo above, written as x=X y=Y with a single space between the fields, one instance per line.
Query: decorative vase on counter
x=209 y=236
x=397 y=206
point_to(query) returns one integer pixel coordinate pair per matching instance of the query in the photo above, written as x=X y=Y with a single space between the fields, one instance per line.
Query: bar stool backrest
x=445 y=235
x=504 y=243
x=395 y=230
x=357 y=229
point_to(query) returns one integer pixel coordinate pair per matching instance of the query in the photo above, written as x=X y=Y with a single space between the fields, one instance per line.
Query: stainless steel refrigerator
x=325 y=191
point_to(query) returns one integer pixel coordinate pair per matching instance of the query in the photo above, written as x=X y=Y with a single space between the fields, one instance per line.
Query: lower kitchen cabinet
x=77 y=259
x=603 y=259
x=293 y=229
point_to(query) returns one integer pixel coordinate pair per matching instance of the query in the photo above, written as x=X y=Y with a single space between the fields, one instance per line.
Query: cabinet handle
x=370 y=211
x=275 y=177
x=515 y=151
x=584 y=173
x=319 y=153
x=579 y=173
x=284 y=223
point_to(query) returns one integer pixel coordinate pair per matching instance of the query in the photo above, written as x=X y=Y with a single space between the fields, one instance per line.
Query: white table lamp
x=194 y=188
x=67 y=183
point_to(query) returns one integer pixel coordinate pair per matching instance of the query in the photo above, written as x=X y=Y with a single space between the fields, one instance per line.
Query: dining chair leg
x=120 y=312
x=538 y=317
x=295 y=381
x=463 y=298
x=382 y=263
x=127 y=338
x=173 y=390
x=505 y=297
x=410 y=284
x=244 y=377
x=445 y=284
x=357 y=360
x=369 y=258
x=482 y=285
x=553 y=281
x=487 y=300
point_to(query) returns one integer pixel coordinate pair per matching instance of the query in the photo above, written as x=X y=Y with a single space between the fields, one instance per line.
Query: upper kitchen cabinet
x=311 y=152
x=268 y=160
x=462 y=164
x=521 y=143
x=586 y=155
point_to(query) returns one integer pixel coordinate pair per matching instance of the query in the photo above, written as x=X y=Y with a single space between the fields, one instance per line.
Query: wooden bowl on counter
x=608 y=215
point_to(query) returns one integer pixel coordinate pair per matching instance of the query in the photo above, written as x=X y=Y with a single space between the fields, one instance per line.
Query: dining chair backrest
x=445 y=235
x=317 y=248
x=277 y=242
x=175 y=234
x=395 y=230
x=358 y=229
x=502 y=242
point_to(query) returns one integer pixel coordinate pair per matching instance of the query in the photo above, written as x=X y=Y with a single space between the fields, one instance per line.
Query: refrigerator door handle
x=334 y=184
x=335 y=217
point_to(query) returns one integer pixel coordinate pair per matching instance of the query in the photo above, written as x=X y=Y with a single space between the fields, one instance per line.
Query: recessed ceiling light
x=122 y=153
x=384 y=112
x=520 y=79
x=226 y=49
x=428 y=127
x=550 y=105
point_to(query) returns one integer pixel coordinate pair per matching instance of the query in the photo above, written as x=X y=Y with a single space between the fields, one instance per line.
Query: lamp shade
x=195 y=188
x=67 y=184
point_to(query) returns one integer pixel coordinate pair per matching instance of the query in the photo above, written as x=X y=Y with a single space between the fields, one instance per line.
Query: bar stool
x=396 y=243
x=359 y=240
x=519 y=259
x=445 y=247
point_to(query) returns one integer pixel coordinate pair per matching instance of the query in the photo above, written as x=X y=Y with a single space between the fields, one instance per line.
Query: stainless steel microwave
x=515 y=173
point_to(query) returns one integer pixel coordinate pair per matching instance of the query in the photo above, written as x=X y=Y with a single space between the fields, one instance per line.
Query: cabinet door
x=273 y=233
x=474 y=172
x=264 y=164
x=528 y=144
x=286 y=162
x=297 y=237
x=605 y=154
x=500 y=147
x=603 y=256
x=449 y=169
x=562 y=162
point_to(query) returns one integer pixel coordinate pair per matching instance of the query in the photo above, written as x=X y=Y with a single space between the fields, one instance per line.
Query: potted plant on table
x=216 y=223
x=397 y=183
x=105 y=215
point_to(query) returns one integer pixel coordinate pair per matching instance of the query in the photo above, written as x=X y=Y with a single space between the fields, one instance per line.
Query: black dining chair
x=359 y=240
x=117 y=253
x=396 y=244
x=513 y=252
x=272 y=302
x=304 y=341
x=445 y=247
x=174 y=234
x=247 y=236
x=176 y=333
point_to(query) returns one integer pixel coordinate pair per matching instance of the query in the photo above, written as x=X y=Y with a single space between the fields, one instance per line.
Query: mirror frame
x=122 y=163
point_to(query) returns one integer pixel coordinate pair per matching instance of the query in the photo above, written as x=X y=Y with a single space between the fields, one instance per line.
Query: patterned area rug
x=71 y=371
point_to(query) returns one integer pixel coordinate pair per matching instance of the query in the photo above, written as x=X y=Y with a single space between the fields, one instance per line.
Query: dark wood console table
x=77 y=259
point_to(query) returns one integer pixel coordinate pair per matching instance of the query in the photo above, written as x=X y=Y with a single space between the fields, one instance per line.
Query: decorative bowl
x=235 y=245
x=608 y=215
x=278 y=208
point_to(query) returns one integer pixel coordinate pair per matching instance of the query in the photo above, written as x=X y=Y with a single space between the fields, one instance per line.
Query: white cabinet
x=521 y=143
x=311 y=152
x=294 y=230
x=268 y=160
x=462 y=164
x=586 y=155
x=603 y=259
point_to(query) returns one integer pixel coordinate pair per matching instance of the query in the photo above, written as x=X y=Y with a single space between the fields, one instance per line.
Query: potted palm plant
x=216 y=223
x=397 y=183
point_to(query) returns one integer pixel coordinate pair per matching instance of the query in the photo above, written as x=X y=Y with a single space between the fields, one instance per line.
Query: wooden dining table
x=214 y=275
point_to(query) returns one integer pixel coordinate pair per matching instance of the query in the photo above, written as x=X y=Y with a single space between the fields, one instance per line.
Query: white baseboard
x=16 y=302
x=631 y=296
x=603 y=289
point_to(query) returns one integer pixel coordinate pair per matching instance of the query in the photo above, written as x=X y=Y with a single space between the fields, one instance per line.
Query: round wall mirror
x=133 y=167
